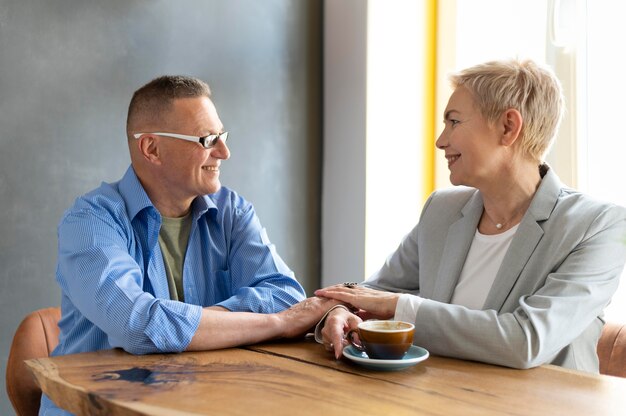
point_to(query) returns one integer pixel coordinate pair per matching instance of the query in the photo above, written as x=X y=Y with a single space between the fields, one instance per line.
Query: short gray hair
x=150 y=102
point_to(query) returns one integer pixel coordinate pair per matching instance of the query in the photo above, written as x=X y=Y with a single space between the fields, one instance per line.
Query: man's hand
x=304 y=315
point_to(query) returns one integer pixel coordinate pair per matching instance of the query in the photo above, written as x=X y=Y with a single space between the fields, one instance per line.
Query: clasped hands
x=370 y=303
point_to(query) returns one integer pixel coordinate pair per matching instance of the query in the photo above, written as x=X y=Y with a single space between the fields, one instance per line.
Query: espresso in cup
x=383 y=340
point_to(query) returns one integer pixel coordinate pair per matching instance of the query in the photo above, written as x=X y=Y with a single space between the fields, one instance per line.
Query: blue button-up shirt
x=112 y=276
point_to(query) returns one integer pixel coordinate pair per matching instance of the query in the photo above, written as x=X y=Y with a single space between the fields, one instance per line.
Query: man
x=166 y=260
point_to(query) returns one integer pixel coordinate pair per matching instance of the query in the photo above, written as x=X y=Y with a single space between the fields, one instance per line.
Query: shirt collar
x=202 y=205
x=133 y=193
x=137 y=199
x=547 y=195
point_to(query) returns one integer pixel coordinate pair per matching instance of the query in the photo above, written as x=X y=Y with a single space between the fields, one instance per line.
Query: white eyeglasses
x=206 y=141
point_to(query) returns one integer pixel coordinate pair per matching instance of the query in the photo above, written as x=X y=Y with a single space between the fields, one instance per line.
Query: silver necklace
x=498 y=225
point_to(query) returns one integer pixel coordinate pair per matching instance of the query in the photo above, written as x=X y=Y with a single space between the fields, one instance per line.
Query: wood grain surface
x=300 y=378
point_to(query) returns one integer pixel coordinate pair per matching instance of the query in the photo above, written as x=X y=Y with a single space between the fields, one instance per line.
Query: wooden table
x=300 y=378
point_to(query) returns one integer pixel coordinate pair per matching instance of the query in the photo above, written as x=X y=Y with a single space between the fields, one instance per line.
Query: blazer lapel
x=458 y=242
x=526 y=238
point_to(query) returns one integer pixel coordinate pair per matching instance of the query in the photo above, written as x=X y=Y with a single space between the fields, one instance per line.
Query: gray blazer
x=546 y=303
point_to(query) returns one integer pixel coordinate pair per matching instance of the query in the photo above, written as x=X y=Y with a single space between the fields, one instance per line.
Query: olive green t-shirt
x=173 y=239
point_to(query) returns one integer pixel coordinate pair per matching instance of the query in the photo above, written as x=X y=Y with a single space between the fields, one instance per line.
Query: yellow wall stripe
x=430 y=90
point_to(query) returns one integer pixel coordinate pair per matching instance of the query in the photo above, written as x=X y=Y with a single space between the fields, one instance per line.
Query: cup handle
x=350 y=339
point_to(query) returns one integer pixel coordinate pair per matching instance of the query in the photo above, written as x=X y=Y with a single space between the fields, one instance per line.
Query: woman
x=513 y=268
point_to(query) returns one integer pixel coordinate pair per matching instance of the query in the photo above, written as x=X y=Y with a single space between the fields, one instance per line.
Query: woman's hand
x=338 y=322
x=374 y=303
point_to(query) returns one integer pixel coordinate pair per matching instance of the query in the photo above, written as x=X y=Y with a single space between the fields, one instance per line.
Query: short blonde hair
x=529 y=88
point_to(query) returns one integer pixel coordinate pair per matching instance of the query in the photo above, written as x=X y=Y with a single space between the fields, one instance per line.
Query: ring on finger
x=350 y=285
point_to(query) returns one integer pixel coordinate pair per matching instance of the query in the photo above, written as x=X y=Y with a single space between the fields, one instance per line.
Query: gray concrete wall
x=67 y=71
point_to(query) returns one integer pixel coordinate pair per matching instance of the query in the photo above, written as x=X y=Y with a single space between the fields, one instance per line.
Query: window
x=601 y=166
x=395 y=121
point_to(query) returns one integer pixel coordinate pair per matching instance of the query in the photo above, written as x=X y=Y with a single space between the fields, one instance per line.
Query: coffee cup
x=383 y=340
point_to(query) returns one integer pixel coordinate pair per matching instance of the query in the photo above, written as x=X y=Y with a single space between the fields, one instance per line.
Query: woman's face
x=472 y=146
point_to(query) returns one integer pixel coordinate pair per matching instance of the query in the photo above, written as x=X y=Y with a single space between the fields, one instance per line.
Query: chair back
x=612 y=350
x=36 y=337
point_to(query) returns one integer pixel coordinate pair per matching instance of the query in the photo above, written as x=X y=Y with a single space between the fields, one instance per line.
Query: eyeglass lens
x=211 y=140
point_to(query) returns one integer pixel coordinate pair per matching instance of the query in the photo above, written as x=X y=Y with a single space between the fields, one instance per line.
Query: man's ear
x=149 y=149
x=512 y=123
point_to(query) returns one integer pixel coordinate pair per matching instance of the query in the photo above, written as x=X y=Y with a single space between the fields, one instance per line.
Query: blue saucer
x=413 y=356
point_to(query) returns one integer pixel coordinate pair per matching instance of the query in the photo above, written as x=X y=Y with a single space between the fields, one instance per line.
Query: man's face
x=187 y=168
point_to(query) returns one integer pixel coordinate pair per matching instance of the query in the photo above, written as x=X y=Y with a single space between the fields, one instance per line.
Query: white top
x=479 y=272
x=481 y=267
